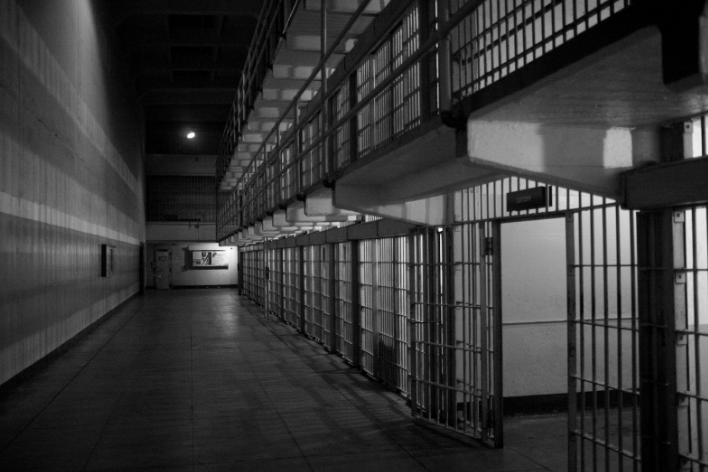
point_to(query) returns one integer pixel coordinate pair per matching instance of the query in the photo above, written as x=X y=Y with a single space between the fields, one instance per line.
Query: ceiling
x=185 y=58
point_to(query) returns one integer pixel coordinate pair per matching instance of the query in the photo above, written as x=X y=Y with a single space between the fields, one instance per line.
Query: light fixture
x=191 y=135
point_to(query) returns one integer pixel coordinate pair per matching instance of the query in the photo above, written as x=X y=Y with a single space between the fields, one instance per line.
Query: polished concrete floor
x=199 y=380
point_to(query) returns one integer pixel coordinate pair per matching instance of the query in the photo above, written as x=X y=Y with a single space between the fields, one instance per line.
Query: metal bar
x=412 y=340
x=700 y=433
x=593 y=335
x=571 y=287
x=429 y=320
x=620 y=345
x=635 y=347
x=606 y=336
x=449 y=314
x=497 y=359
x=484 y=387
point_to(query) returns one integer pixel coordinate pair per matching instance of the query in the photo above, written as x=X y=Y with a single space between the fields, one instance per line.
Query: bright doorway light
x=191 y=135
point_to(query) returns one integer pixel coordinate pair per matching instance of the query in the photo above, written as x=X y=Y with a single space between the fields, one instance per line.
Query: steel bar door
x=453 y=330
x=603 y=341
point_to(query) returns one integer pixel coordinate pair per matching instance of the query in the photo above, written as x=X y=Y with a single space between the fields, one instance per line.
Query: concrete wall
x=534 y=307
x=71 y=177
x=184 y=275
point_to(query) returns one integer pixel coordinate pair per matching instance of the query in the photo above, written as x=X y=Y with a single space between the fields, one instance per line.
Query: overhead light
x=191 y=135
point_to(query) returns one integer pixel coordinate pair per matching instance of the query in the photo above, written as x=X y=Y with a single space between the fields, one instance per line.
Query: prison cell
x=247 y=274
x=452 y=335
x=457 y=322
x=367 y=305
x=341 y=142
x=603 y=336
x=364 y=85
x=308 y=289
x=344 y=292
x=380 y=97
x=325 y=318
x=446 y=283
x=392 y=312
x=252 y=272
x=291 y=285
x=311 y=166
x=691 y=292
x=501 y=36
x=276 y=283
x=312 y=292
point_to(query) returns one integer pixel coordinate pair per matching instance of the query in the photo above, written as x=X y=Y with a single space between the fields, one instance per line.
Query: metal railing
x=431 y=56
x=274 y=19
x=502 y=36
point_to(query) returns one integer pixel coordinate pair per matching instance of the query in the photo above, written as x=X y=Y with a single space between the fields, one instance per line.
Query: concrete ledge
x=666 y=185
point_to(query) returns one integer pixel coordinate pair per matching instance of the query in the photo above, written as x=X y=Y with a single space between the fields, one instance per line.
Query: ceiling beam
x=148 y=63
x=129 y=8
x=138 y=42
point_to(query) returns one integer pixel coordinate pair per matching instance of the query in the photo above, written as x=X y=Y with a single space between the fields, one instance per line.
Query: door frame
x=497 y=304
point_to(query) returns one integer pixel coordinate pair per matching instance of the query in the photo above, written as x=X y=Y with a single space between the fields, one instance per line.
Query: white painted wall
x=534 y=307
x=534 y=304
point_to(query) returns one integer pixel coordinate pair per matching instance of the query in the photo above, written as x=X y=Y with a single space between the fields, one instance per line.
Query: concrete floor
x=199 y=380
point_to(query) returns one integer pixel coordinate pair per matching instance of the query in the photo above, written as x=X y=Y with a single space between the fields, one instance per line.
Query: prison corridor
x=201 y=380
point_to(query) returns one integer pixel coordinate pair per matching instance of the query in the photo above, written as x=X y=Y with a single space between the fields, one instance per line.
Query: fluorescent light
x=191 y=135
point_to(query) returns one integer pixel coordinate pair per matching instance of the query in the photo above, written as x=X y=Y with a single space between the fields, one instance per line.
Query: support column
x=449 y=313
x=412 y=323
x=658 y=238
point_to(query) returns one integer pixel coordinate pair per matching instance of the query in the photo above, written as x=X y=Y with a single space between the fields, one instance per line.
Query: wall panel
x=71 y=163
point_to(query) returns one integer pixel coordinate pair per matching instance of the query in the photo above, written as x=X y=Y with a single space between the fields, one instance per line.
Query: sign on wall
x=537 y=197
x=210 y=259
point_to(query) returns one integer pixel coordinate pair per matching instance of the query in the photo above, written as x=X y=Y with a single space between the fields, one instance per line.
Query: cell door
x=603 y=341
x=454 y=333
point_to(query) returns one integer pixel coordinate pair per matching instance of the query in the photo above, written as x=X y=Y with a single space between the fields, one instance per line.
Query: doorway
x=162 y=268
x=535 y=338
